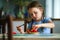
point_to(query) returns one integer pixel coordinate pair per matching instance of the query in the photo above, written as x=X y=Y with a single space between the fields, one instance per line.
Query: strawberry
x=13 y=32
x=33 y=30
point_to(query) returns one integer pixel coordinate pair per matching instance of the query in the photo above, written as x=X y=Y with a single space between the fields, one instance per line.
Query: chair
x=9 y=27
x=3 y=22
x=51 y=30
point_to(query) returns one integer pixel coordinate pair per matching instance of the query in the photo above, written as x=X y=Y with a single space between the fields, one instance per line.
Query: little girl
x=39 y=23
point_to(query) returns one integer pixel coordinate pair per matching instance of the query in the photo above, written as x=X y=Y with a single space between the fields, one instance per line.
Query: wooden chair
x=3 y=22
x=10 y=27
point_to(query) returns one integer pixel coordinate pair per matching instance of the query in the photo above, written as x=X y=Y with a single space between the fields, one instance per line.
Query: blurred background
x=17 y=9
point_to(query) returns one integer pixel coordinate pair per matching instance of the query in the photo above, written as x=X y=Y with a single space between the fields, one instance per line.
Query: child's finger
x=18 y=26
x=33 y=26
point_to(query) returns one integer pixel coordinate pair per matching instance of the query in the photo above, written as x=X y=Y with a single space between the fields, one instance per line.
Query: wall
x=56 y=29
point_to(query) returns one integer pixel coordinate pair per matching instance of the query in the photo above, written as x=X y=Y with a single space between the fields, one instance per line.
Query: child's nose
x=34 y=15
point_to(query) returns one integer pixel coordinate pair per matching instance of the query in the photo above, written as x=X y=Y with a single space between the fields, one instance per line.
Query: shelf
x=56 y=19
x=19 y=19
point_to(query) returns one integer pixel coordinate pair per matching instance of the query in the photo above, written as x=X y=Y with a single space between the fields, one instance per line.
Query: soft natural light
x=53 y=8
x=56 y=8
x=49 y=8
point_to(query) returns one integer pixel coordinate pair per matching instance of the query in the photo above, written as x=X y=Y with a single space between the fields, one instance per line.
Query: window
x=53 y=8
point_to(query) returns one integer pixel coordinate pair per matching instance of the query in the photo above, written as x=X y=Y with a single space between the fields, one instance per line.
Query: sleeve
x=47 y=19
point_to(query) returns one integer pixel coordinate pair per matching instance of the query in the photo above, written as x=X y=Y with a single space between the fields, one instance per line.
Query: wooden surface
x=55 y=36
x=35 y=39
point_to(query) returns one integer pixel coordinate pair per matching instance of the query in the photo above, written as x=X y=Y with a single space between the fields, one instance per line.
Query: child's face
x=35 y=13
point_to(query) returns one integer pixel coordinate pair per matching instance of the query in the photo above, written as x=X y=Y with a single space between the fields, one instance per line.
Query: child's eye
x=31 y=14
x=35 y=12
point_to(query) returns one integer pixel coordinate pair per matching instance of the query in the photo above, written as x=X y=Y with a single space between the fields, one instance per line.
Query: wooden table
x=55 y=36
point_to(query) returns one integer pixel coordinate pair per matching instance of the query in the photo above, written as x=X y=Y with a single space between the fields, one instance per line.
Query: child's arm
x=19 y=28
x=50 y=24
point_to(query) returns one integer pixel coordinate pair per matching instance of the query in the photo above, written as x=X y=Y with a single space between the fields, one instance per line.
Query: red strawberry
x=13 y=32
x=33 y=30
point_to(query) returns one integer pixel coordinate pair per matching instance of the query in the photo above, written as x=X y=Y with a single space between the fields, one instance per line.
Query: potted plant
x=22 y=4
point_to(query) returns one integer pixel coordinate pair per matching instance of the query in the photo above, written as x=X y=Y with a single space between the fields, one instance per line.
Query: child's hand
x=35 y=27
x=28 y=31
x=19 y=28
